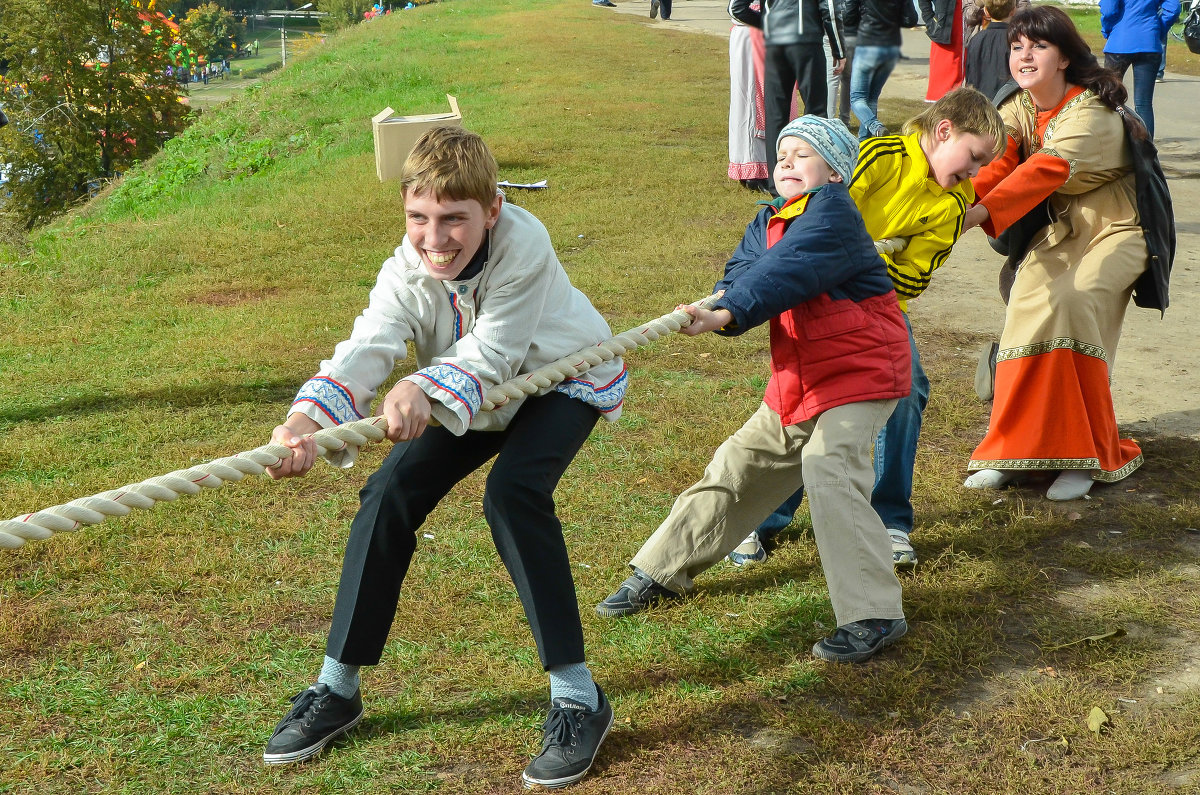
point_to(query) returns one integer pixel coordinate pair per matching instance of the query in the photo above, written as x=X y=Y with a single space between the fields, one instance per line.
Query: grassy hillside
x=172 y=321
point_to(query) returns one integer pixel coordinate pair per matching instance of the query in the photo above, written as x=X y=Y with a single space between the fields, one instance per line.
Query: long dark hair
x=1052 y=26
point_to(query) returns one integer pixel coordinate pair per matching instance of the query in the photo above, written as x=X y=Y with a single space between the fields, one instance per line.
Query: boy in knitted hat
x=839 y=362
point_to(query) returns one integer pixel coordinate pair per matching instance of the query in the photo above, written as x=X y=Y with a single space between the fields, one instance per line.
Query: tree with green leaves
x=343 y=13
x=180 y=7
x=212 y=31
x=87 y=94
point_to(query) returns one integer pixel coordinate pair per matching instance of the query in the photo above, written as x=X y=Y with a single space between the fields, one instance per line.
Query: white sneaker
x=1071 y=484
x=749 y=551
x=904 y=557
x=990 y=479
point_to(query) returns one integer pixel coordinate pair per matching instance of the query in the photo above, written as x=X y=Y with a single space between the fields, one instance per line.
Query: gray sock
x=574 y=682
x=341 y=678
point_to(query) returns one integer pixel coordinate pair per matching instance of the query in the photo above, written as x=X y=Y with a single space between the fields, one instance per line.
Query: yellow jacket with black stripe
x=897 y=198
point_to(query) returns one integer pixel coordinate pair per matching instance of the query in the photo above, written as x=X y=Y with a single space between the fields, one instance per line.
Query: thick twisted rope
x=580 y=362
x=166 y=488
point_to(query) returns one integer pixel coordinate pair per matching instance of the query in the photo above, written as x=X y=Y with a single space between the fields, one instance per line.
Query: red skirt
x=947 y=70
x=1053 y=410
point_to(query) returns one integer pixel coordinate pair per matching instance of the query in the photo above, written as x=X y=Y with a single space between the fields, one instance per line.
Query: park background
x=171 y=321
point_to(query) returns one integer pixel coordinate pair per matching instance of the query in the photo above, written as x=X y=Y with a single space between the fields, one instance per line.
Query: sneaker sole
x=618 y=612
x=745 y=560
x=304 y=754
x=859 y=656
x=559 y=783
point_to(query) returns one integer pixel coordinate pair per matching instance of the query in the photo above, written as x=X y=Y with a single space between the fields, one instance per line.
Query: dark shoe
x=760 y=185
x=637 y=593
x=653 y=8
x=858 y=641
x=604 y=3
x=877 y=129
x=571 y=737
x=317 y=717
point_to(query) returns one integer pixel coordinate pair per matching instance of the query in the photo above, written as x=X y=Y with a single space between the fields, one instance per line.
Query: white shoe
x=990 y=479
x=748 y=552
x=904 y=557
x=1072 y=484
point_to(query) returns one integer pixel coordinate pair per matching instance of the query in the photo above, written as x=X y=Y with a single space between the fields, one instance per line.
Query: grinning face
x=1037 y=65
x=447 y=233
x=956 y=156
x=800 y=168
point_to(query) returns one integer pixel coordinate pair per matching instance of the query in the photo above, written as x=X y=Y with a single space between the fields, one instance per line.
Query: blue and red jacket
x=837 y=333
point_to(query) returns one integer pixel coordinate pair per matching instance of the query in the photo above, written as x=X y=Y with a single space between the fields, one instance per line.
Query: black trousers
x=518 y=503
x=788 y=67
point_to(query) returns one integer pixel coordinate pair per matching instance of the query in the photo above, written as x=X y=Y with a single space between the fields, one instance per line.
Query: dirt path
x=1156 y=383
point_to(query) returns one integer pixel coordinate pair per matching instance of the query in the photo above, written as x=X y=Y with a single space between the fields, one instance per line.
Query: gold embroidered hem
x=1057 y=464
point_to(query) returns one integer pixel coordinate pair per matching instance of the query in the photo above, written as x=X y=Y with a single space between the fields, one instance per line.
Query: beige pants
x=758 y=468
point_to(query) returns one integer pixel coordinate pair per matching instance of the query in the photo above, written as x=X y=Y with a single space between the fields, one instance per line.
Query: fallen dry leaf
x=1097 y=719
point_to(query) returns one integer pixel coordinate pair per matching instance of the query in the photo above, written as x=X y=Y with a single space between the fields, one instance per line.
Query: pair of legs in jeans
x=1145 y=70
x=872 y=67
x=838 y=86
x=895 y=456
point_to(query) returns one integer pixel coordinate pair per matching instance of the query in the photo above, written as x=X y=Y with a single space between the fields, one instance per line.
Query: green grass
x=171 y=321
x=246 y=72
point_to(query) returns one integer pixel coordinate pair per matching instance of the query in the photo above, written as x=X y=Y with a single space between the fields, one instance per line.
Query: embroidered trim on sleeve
x=460 y=384
x=605 y=399
x=332 y=398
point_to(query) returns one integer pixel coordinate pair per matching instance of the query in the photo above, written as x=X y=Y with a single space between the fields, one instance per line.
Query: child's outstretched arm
x=825 y=247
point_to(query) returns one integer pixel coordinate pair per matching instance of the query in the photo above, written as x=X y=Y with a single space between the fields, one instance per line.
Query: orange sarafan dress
x=1053 y=407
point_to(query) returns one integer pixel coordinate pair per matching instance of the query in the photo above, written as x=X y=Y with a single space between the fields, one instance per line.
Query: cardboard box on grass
x=395 y=136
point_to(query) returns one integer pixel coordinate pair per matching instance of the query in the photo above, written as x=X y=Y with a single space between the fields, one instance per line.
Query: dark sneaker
x=571 y=737
x=858 y=641
x=904 y=557
x=637 y=593
x=317 y=717
x=653 y=8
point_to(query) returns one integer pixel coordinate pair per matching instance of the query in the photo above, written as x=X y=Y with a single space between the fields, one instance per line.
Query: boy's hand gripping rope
x=165 y=488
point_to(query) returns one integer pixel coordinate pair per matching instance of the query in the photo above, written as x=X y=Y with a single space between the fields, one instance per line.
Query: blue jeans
x=1162 y=64
x=872 y=67
x=1145 y=69
x=895 y=457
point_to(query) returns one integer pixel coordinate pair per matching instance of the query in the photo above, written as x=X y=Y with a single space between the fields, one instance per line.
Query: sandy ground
x=1156 y=381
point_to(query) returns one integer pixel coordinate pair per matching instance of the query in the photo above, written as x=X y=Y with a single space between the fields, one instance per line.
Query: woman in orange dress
x=1053 y=407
